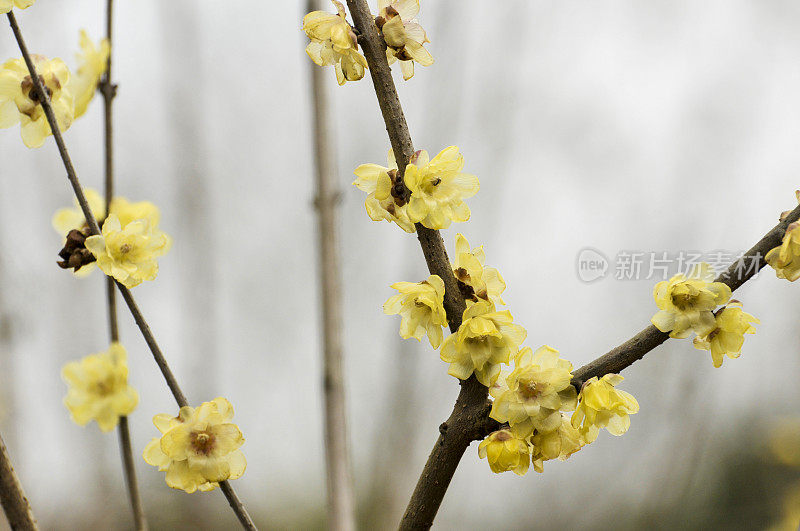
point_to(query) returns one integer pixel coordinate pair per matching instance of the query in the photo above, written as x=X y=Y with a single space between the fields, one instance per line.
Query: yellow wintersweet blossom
x=198 y=448
x=67 y=219
x=438 y=188
x=536 y=391
x=98 y=388
x=420 y=305
x=506 y=451
x=479 y=281
x=727 y=337
x=687 y=304
x=384 y=197
x=600 y=405
x=403 y=35
x=19 y=101
x=333 y=42
x=785 y=259
x=559 y=443
x=128 y=254
x=128 y=212
x=485 y=339
x=7 y=5
x=92 y=63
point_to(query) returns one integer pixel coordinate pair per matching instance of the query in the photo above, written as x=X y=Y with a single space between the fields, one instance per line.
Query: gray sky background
x=638 y=126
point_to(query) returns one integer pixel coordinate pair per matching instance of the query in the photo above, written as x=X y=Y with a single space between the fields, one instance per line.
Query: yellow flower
x=485 y=339
x=128 y=254
x=198 y=448
x=127 y=212
x=384 y=201
x=785 y=260
x=420 y=305
x=602 y=406
x=687 y=303
x=333 y=42
x=506 y=451
x=535 y=393
x=559 y=443
x=479 y=281
x=98 y=388
x=19 y=101
x=66 y=219
x=438 y=188
x=727 y=337
x=6 y=5
x=92 y=63
x=403 y=35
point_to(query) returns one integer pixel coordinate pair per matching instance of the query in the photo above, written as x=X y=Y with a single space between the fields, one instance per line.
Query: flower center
x=125 y=248
x=202 y=442
x=529 y=390
x=30 y=88
x=683 y=301
x=502 y=436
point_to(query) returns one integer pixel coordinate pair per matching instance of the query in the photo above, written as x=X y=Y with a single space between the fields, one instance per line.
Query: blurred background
x=652 y=126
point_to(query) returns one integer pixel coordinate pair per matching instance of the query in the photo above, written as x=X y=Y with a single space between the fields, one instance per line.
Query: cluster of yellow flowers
x=687 y=304
x=69 y=94
x=335 y=43
x=438 y=188
x=197 y=449
x=533 y=398
x=131 y=239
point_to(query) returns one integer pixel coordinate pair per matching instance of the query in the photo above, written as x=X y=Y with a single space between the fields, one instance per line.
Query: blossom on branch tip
x=385 y=199
x=98 y=388
x=475 y=279
x=485 y=339
x=438 y=188
x=19 y=99
x=404 y=37
x=536 y=391
x=687 y=304
x=600 y=405
x=727 y=337
x=92 y=64
x=505 y=451
x=7 y=5
x=128 y=253
x=420 y=306
x=198 y=448
x=333 y=42
x=559 y=443
x=785 y=259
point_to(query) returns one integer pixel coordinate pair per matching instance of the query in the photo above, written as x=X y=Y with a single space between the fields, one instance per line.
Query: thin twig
x=471 y=405
x=341 y=499
x=108 y=90
x=737 y=274
x=12 y=497
x=236 y=505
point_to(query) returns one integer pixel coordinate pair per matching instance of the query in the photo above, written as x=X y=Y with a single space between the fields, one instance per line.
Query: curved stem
x=180 y=398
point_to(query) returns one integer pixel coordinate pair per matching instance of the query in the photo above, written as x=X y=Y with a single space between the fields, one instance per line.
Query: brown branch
x=341 y=499
x=15 y=504
x=737 y=274
x=108 y=90
x=172 y=383
x=471 y=405
x=651 y=337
